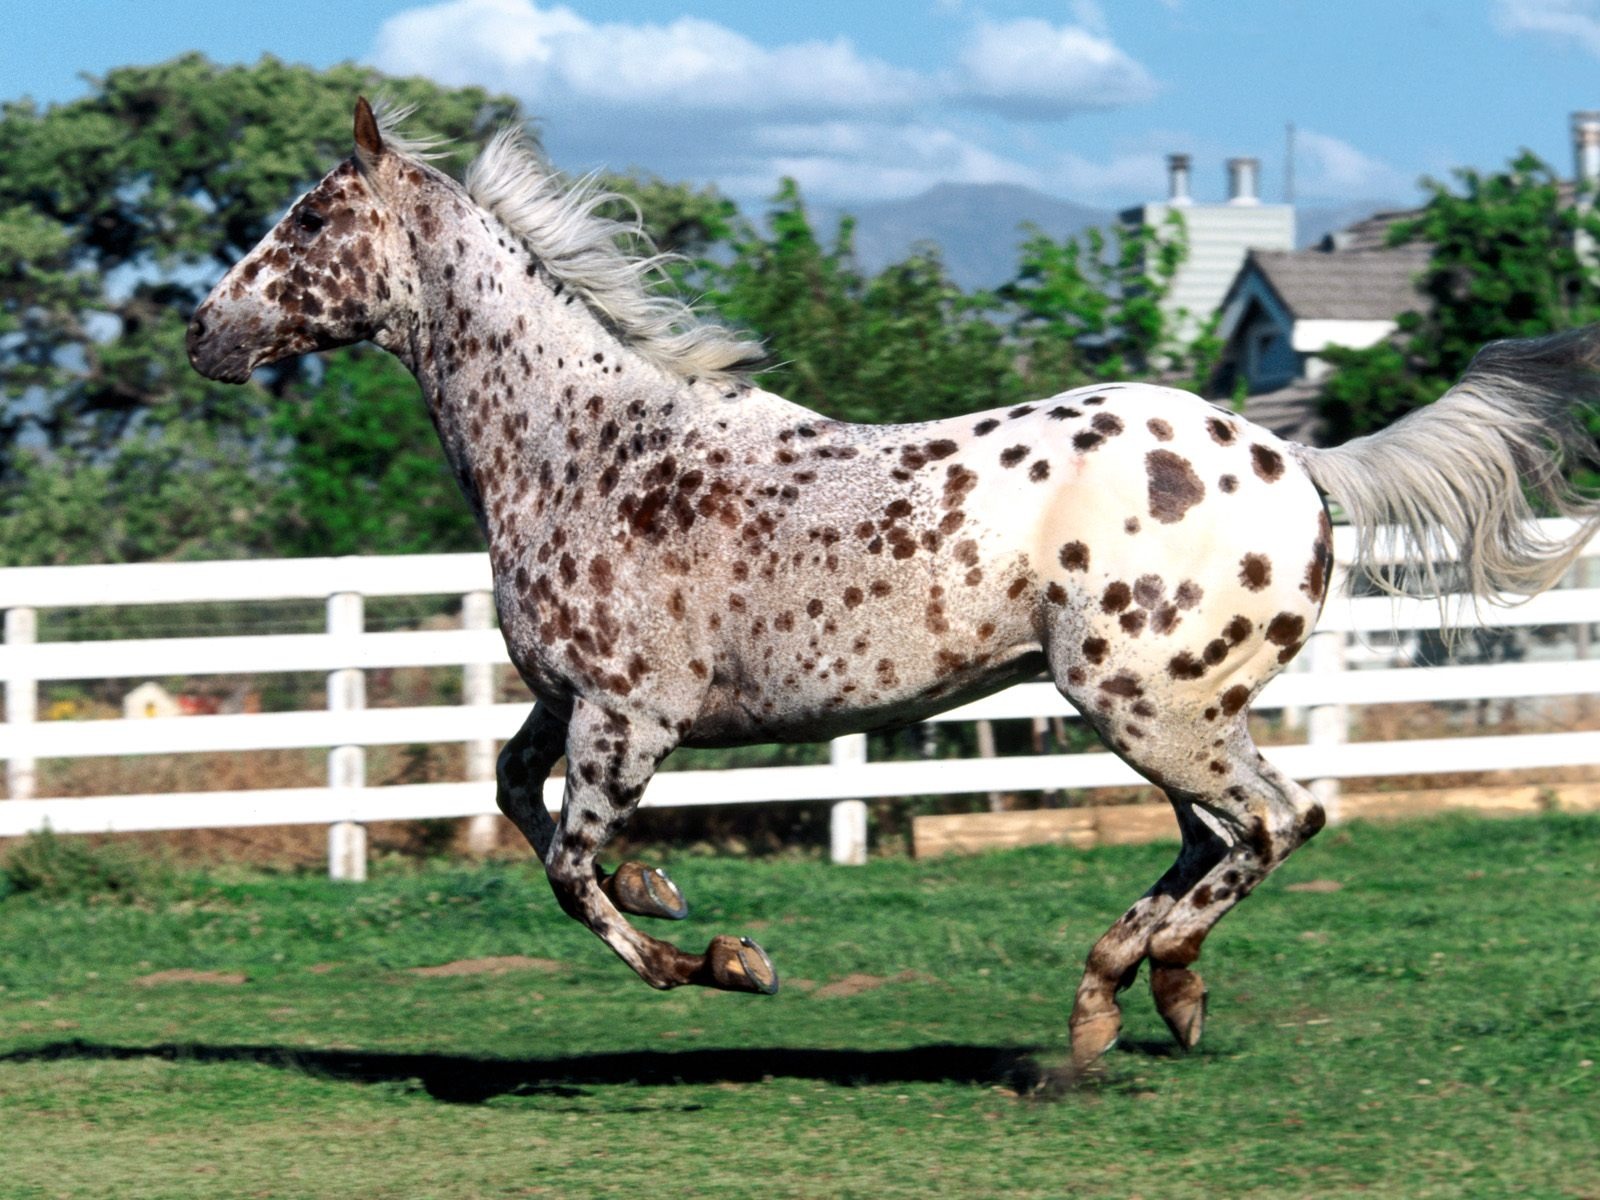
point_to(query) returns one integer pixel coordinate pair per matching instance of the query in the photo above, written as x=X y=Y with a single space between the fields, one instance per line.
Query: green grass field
x=1430 y=1027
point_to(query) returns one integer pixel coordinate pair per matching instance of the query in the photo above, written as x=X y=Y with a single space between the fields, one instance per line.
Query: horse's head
x=337 y=269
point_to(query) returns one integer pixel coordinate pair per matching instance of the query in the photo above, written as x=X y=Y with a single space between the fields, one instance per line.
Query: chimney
x=1178 y=179
x=1586 y=149
x=1242 y=174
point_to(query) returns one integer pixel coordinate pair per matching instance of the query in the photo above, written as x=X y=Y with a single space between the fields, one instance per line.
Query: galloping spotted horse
x=682 y=559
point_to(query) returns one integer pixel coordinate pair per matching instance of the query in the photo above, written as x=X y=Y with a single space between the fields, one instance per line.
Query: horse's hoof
x=645 y=892
x=739 y=965
x=1180 y=997
x=1092 y=1036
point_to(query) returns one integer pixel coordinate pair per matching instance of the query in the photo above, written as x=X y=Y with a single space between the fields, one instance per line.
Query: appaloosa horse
x=682 y=559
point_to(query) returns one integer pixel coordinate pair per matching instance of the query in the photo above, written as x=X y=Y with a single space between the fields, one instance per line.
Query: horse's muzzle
x=215 y=349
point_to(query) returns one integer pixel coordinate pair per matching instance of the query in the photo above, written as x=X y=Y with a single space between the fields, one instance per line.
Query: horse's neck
x=506 y=356
x=523 y=381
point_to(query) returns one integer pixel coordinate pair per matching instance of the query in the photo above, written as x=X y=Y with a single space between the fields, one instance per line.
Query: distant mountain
x=977 y=227
x=1313 y=223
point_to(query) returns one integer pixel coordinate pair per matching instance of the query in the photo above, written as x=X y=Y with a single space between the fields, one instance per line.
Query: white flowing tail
x=1461 y=480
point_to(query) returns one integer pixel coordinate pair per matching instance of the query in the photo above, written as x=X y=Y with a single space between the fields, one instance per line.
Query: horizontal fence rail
x=1343 y=666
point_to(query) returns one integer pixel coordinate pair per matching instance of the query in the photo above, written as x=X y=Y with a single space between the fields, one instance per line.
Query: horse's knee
x=508 y=799
x=516 y=783
x=510 y=774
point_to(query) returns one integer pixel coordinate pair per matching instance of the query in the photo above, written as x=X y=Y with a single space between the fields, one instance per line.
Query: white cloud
x=552 y=56
x=851 y=160
x=1033 y=70
x=694 y=99
x=1330 y=168
x=1569 y=21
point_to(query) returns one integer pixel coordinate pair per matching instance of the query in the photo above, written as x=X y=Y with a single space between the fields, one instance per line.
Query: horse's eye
x=310 y=220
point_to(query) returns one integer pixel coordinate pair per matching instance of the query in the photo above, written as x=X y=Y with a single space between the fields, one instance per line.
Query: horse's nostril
x=197 y=327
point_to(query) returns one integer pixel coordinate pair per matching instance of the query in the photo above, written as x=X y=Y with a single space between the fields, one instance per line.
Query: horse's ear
x=369 y=142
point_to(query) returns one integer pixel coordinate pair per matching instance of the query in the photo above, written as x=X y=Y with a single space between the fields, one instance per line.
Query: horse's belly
x=735 y=715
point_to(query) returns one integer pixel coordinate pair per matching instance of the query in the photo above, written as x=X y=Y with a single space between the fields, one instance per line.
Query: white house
x=1219 y=237
x=1286 y=307
x=149 y=700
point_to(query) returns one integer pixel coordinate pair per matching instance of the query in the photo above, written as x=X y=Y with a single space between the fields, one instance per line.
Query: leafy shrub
x=70 y=867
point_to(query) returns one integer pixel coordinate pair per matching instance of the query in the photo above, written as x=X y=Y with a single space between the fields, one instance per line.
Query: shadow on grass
x=1151 y=1049
x=465 y=1079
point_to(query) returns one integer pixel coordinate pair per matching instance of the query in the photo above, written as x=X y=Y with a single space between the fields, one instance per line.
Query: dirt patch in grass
x=495 y=965
x=188 y=975
x=858 y=982
x=1316 y=885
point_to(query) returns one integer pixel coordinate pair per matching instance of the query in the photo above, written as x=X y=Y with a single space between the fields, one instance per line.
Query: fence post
x=1327 y=724
x=477 y=688
x=847 y=820
x=347 y=765
x=1294 y=716
x=22 y=701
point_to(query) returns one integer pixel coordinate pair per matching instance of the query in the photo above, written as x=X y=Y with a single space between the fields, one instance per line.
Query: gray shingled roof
x=1369 y=233
x=1347 y=285
x=1290 y=412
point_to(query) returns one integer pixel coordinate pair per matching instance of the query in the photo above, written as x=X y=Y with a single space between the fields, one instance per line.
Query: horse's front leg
x=524 y=765
x=610 y=759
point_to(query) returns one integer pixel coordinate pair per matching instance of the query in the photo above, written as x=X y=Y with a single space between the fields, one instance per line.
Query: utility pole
x=1288 y=164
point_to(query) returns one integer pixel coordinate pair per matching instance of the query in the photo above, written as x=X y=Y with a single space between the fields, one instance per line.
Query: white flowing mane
x=561 y=225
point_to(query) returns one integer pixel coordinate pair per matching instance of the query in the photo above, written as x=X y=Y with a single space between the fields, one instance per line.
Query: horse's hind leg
x=1268 y=817
x=610 y=759
x=524 y=765
x=1239 y=818
x=1113 y=964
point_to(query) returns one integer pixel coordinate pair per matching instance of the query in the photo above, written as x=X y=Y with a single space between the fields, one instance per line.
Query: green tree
x=117 y=213
x=1091 y=308
x=909 y=345
x=169 y=492
x=1506 y=260
x=120 y=209
x=906 y=345
x=678 y=218
x=363 y=472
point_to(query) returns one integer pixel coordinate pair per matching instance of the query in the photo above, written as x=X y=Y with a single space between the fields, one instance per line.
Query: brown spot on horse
x=1255 y=571
x=1174 y=488
x=1268 y=463
x=1074 y=556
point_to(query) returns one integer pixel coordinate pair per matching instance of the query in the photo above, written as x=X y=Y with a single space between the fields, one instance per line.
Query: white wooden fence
x=1329 y=681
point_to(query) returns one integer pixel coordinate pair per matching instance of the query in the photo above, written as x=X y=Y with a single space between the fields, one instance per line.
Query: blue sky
x=870 y=99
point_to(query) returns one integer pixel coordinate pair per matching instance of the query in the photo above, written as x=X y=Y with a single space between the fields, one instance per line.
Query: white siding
x=1219 y=236
x=1312 y=337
